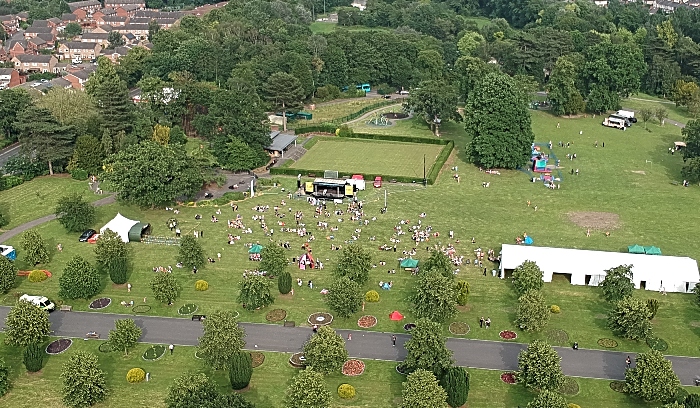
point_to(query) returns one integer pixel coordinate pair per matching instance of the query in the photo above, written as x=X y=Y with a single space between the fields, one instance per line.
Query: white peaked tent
x=652 y=272
x=121 y=225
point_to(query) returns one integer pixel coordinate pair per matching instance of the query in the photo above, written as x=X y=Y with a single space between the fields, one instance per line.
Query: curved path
x=492 y=355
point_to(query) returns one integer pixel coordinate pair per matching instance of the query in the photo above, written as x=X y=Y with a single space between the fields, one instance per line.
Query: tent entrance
x=588 y=280
x=507 y=274
x=643 y=285
x=558 y=277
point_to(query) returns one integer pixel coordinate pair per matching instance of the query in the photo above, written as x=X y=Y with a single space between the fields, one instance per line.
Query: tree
x=12 y=103
x=74 y=213
x=533 y=313
x=238 y=155
x=455 y=382
x=222 y=339
x=497 y=120
x=325 y=351
x=151 y=175
x=652 y=377
x=177 y=136
x=421 y=390
x=527 y=276
x=562 y=91
x=683 y=92
x=125 y=335
x=463 y=290
x=435 y=297
x=355 y=263
x=241 y=370
x=344 y=297
x=111 y=96
x=617 y=283
x=87 y=155
x=436 y=101
x=26 y=324
x=284 y=92
x=165 y=287
x=153 y=28
x=192 y=390
x=84 y=382
x=8 y=274
x=115 y=39
x=691 y=170
x=4 y=217
x=112 y=256
x=284 y=282
x=161 y=134
x=273 y=260
x=71 y=108
x=43 y=137
x=79 y=280
x=190 y=253
x=661 y=115
x=255 y=292
x=469 y=42
x=33 y=357
x=438 y=262
x=547 y=399
x=5 y=382
x=630 y=319
x=653 y=306
x=691 y=137
x=34 y=247
x=610 y=72
x=692 y=401
x=696 y=290
x=645 y=114
x=539 y=367
x=426 y=349
x=307 y=390
x=72 y=30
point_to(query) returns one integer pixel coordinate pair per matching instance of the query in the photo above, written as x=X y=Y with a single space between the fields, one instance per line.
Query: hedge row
x=396 y=138
x=440 y=161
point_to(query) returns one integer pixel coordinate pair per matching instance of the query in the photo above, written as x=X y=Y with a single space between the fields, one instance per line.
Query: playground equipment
x=379 y=120
x=539 y=159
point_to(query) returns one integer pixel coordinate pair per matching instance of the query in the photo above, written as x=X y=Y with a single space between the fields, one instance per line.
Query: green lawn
x=338 y=109
x=369 y=157
x=322 y=27
x=640 y=101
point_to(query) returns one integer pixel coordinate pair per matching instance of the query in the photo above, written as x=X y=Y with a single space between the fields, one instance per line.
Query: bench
x=289 y=323
x=66 y=308
x=198 y=318
x=92 y=336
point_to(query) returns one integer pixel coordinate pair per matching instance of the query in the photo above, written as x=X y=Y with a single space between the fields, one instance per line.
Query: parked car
x=386 y=96
x=42 y=302
x=378 y=182
x=87 y=235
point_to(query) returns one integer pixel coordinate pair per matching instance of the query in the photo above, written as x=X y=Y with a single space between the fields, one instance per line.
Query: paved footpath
x=491 y=355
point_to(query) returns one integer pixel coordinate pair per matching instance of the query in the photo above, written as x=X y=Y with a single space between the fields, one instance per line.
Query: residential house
x=9 y=77
x=79 y=78
x=115 y=54
x=32 y=32
x=139 y=30
x=56 y=23
x=61 y=83
x=93 y=37
x=104 y=12
x=35 y=63
x=40 y=23
x=16 y=47
x=23 y=16
x=10 y=23
x=49 y=38
x=88 y=6
x=103 y=29
x=69 y=18
x=36 y=44
x=119 y=3
x=114 y=21
x=74 y=50
x=129 y=38
x=159 y=14
x=128 y=11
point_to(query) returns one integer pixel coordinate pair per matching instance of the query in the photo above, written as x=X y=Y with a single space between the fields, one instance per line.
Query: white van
x=41 y=302
x=629 y=115
x=615 y=123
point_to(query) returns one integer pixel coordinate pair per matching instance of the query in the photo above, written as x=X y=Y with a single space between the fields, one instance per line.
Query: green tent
x=635 y=249
x=652 y=250
x=409 y=263
x=255 y=249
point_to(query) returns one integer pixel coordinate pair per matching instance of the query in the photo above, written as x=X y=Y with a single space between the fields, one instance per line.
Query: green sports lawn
x=370 y=157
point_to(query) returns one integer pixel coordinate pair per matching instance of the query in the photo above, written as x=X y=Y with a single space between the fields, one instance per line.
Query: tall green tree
x=438 y=262
x=43 y=137
x=165 y=287
x=548 y=399
x=307 y=390
x=652 y=378
x=355 y=263
x=284 y=282
x=112 y=256
x=26 y=324
x=562 y=91
x=645 y=114
x=8 y=274
x=72 y=30
x=610 y=72
x=539 y=367
x=325 y=351
x=115 y=39
x=125 y=335
x=84 y=382
x=421 y=390
x=71 y=108
x=630 y=318
x=435 y=297
x=533 y=312
x=222 y=339
x=79 y=280
x=455 y=382
x=255 y=292
x=691 y=137
x=435 y=101
x=12 y=103
x=344 y=297
x=5 y=382
x=284 y=91
x=111 y=96
x=33 y=357
x=497 y=120
x=34 y=248
x=273 y=260
x=617 y=283
x=527 y=276
x=87 y=155
x=426 y=349
x=192 y=390
x=190 y=253
x=74 y=213
x=237 y=155
x=240 y=370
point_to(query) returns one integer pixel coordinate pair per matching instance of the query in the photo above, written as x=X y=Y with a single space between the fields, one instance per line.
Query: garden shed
x=121 y=225
x=583 y=267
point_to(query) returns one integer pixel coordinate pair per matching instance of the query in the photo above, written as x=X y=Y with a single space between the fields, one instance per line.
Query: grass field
x=338 y=109
x=369 y=157
x=640 y=101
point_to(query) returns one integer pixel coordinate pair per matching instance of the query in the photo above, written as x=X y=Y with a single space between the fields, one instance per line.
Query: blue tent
x=528 y=240
x=8 y=252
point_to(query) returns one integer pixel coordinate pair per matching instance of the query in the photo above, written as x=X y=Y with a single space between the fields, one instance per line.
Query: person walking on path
x=481 y=322
x=488 y=322
x=393 y=340
x=171 y=348
x=628 y=362
x=128 y=287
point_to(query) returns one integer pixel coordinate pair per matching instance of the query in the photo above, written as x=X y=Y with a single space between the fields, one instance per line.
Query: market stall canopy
x=395 y=315
x=635 y=249
x=255 y=249
x=652 y=250
x=409 y=263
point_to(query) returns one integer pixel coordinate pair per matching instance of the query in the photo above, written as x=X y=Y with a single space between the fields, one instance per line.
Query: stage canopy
x=121 y=225
x=652 y=250
x=635 y=249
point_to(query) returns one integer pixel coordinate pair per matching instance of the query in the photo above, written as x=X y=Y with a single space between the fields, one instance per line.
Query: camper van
x=628 y=123
x=615 y=123
x=629 y=115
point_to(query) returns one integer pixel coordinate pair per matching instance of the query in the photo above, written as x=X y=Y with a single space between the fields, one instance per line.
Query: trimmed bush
x=346 y=391
x=118 y=269
x=79 y=174
x=455 y=381
x=33 y=357
x=555 y=309
x=572 y=405
x=241 y=370
x=653 y=306
x=135 y=375
x=372 y=296
x=692 y=401
x=284 y=283
x=37 y=275
x=8 y=182
x=201 y=285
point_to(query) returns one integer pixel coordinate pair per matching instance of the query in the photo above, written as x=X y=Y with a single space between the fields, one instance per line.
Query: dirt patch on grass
x=642 y=172
x=595 y=220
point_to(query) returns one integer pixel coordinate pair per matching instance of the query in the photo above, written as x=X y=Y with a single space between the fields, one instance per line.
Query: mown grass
x=640 y=101
x=338 y=109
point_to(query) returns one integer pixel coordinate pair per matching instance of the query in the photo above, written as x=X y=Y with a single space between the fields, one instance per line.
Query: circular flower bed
x=353 y=368
x=320 y=319
x=618 y=386
x=141 y=309
x=509 y=378
x=557 y=336
x=154 y=352
x=276 y=315
x=105 y=347
x=569 y=387
x=197 y=355
x=508 y=335
x=367 y=321
x=395 y=115
x=187 y=309
x=459 y=328
x=297 y=360
x=58 y=346
x=100 y=303
x=401 y=370
x=607 y=343
x=657 y=343
x=257 y=358
x=409 y=326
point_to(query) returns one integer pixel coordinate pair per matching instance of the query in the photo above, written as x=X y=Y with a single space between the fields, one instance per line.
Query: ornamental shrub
x=135 y=375
x=33 y=357
x=79 y=174
x=201 y=285
x=572 y=405
x=346 y=391
x=37 y=275
x=284 y=283
x=653 y=306
x=555 y=309
x=241 y=370
x=372 y=296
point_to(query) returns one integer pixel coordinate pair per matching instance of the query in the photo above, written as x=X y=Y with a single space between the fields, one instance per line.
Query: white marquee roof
x=121 y=225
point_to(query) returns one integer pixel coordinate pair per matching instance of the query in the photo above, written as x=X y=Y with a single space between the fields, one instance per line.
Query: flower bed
x=569 y=386
x=367 y=321
x=138 y=309
x=320 y=319
x=657 y=343
x=353 y=368
x=276 y=315
x=459 y=328
x=508 y=335
x=105 y=347
x=58 y=346
x=197 y=355
x=557 y=336
x=297 y=360
x=257 y=358
x=154 y=352
x=187 y=309
x=618 y=386
x=100 y=303
x=409 y=326
x=509 y=378
x=607 y=343
x=401 y=370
